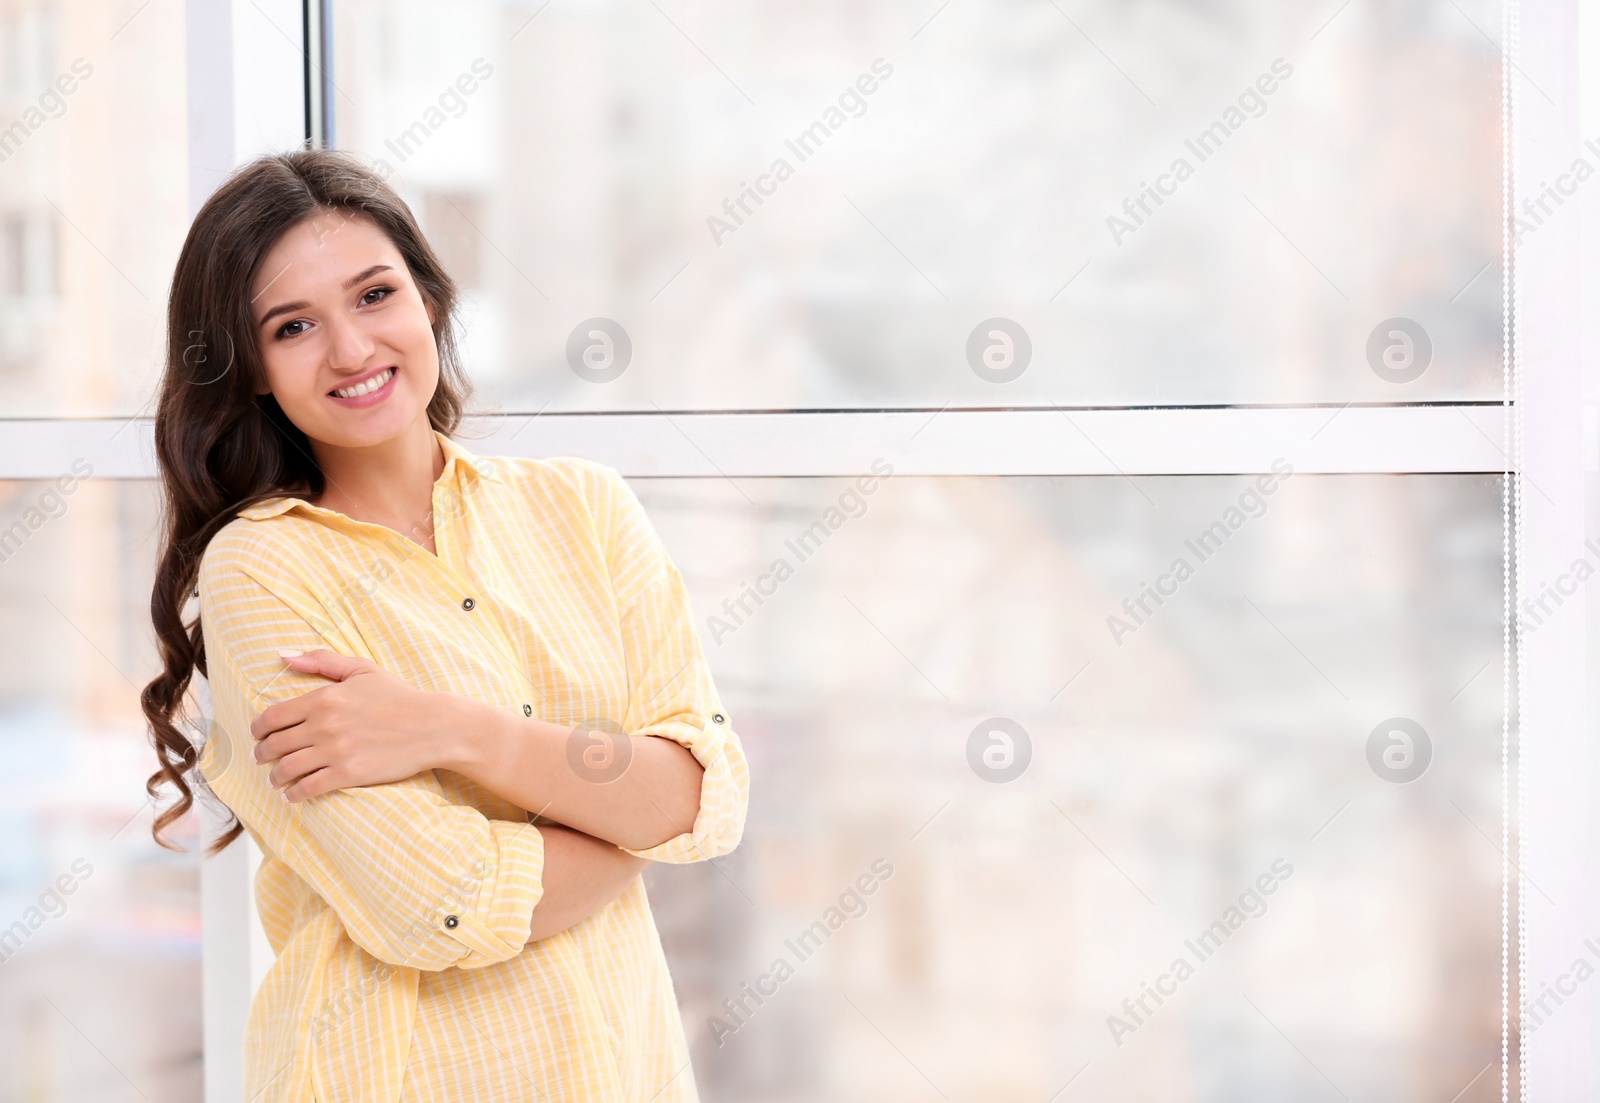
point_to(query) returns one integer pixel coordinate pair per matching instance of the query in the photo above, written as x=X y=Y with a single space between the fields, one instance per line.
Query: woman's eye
x=367 y=299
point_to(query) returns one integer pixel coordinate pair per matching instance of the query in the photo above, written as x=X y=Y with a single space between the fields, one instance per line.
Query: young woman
x=459 y=702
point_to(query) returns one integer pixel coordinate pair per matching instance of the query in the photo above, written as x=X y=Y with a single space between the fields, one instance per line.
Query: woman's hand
x=367 y=728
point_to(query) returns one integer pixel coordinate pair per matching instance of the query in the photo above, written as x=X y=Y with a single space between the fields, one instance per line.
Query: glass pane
x=1033 y=802
x=760 y=205
x=94 y=202
x=99 y=927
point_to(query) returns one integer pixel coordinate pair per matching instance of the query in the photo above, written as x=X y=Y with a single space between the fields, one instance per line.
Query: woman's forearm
x=582 y=874
x=529 y=763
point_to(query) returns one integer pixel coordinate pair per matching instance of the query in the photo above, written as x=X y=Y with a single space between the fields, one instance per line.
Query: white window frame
x=247 y=96
x=1557 y=53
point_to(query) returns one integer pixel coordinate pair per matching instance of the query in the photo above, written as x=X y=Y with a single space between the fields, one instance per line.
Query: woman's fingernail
x=290 y=652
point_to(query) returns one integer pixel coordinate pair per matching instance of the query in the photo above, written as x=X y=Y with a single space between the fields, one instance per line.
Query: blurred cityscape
x=1168 y=768
x=1167 y=774
x=596 y=170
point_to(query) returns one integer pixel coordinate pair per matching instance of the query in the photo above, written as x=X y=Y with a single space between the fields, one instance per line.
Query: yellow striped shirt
x=399 y=912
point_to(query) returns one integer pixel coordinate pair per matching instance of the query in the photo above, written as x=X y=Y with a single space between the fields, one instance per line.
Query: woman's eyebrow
x=288 y=308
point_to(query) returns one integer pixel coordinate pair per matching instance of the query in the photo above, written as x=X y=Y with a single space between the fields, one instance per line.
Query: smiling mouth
x=366 y=386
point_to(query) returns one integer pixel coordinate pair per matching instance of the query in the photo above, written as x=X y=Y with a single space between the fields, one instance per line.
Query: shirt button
x=467 y=603
x=451 y=921
x=718 y=718
x=527 y=710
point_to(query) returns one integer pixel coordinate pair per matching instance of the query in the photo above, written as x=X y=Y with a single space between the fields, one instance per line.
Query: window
x=451 y=223
x=16 y=254
x=1177 y=846
x=792 y=209
x=1083 y=275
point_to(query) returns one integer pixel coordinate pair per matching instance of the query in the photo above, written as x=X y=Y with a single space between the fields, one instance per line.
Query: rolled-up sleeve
x=417 y=880
x=671 y=693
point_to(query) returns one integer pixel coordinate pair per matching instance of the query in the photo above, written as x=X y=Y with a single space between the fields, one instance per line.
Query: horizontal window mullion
x=1448 y=438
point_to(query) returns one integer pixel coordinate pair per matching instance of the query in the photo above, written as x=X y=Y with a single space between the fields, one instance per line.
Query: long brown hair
x=222 y=447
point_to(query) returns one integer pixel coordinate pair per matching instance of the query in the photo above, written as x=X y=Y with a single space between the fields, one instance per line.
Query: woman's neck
x=390 y=483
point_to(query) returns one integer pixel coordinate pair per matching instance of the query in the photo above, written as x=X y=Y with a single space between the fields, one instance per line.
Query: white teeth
x=368 y=387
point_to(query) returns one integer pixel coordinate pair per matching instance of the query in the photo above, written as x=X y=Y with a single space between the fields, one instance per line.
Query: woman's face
x=335 y=308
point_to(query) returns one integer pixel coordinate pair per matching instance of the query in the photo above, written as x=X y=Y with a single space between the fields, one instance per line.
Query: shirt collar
x=456 y=454
x=483 y=467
